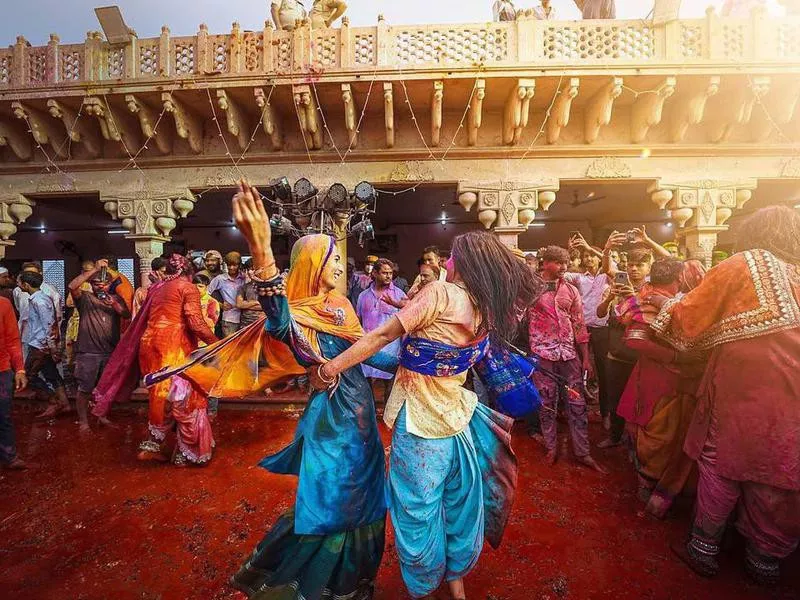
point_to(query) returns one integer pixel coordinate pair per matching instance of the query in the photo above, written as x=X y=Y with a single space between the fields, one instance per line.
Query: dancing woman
x=331 y=543
x=452 y=473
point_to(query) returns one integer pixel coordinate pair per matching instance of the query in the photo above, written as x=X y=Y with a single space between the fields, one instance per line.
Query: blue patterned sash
x=436 y=359
x=507 y=375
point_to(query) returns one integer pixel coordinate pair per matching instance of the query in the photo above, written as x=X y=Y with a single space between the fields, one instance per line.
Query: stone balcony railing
x=759 y=40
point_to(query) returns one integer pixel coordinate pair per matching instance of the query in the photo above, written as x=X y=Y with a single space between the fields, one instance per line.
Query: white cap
x=3 y=271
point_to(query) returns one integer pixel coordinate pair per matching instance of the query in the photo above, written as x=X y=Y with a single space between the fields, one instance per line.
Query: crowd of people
x=694 y=373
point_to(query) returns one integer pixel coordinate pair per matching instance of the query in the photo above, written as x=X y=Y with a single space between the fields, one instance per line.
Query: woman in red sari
x=659 y=399
x=169 y=326
x=745 y=432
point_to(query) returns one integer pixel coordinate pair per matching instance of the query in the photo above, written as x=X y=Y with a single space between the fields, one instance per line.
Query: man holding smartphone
x=560 y=341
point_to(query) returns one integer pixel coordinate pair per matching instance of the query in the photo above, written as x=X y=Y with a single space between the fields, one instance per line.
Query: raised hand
x=640 y=235
x=253 y=222
x=616 y=240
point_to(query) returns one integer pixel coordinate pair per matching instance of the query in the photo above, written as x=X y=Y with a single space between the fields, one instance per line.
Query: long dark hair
x=775 y=229
x=501 y=285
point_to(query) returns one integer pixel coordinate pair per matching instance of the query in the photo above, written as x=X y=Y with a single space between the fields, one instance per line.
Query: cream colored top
x=436 y=407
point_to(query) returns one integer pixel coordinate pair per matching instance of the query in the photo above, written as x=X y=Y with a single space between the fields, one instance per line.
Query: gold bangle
x=325 y=380
x=265 y=273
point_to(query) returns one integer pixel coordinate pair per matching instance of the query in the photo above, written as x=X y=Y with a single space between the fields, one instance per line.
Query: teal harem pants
x=446 y=494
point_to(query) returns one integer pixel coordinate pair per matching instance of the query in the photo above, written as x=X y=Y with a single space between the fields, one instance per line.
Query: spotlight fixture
x=365 y=196
x=279 y=190
x=337 y=198
x=304 y=190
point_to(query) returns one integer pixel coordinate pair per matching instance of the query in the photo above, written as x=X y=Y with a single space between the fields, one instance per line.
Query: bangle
x=325 y=380
x=272 y=287
x=265 y=273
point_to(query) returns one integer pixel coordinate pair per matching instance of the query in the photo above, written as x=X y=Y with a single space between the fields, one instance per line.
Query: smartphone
x=621 y=278
x=630 y=238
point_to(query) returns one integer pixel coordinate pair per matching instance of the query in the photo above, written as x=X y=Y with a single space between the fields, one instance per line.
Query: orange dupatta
x=251 y=359
x=751 y=294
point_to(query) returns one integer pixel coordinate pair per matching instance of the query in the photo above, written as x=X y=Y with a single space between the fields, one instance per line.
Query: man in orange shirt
x=12 y=376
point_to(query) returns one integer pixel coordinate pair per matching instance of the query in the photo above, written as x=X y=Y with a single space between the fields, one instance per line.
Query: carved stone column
x=150 y=216
x=701 y=210
x=507 y=207
x=14 y=209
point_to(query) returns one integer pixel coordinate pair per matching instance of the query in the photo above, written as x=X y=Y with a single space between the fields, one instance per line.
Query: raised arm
x=76 y=284
x=640 y=235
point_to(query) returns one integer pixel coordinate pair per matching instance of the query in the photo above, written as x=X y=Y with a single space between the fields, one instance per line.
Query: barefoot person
x=99 y=312
x=330 y=544
x=168 y=328
x=560 y=340
x=452 y=473
x=44 y=348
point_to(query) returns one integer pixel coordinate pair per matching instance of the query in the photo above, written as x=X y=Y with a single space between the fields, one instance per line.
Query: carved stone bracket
x=476 y=112
x=13 y=136
x=114 y=126
x=388 y=108
x=42 y=127
x=691 y=107
x=600 y=108
x=515 y=117
x=270 y=120
x=437 y=98
x=559 y=117
x=236 y=118
x=79 y=131
x=508 y=207
x=148 y=120
x=648 y=109
x=308 y=115
x=187 y=124
x=350 y=115
x=701 y=209
x=14 y=209
x=151 y=213
x=736 y=108
x=776 y=110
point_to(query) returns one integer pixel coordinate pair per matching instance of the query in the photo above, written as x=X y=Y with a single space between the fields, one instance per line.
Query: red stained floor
x=89 y=522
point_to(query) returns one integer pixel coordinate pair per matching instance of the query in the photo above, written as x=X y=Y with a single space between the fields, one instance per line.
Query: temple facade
x=529 y=128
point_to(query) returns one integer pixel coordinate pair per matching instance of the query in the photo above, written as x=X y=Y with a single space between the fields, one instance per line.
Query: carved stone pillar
x=701 y=210
x=507 y=207
x=14 y=209
x=147 y=248
x=150 y=216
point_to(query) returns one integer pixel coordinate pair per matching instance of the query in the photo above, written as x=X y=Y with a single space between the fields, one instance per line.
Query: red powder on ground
x=88 y=521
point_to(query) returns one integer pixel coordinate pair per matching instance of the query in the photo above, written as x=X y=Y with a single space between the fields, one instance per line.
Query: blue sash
x=507 y=375
x=436 y=359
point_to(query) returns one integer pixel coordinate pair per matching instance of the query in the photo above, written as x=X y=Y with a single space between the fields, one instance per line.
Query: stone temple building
x=530 y=128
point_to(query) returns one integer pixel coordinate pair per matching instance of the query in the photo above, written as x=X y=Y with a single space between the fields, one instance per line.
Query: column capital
x=508 y=206
x=701 y=209
x=150 y=213
x=14 y=209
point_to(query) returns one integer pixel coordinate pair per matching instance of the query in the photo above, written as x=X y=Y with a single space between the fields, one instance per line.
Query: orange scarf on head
x=251 y=359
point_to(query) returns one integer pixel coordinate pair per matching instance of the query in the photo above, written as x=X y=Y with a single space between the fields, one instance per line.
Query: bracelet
x=272 y=287
x=265 y=273
x=326 y=381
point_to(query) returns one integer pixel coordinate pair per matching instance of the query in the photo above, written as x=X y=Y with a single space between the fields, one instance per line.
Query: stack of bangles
x=330 y=382
x=269 y=281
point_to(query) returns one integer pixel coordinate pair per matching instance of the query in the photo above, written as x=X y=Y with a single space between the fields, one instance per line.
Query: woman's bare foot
x=457 y=589
x=591 y=463
x=105 y=422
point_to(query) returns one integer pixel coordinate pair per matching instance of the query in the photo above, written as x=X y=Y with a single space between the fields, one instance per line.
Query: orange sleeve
x=11 y=335
x=194 y=315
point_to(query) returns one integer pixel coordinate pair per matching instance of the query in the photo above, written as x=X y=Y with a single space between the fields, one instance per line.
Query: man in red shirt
x=560 y=340
x=12 y=376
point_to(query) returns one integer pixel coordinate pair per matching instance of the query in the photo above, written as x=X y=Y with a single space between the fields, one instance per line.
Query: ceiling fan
x=588 y=199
